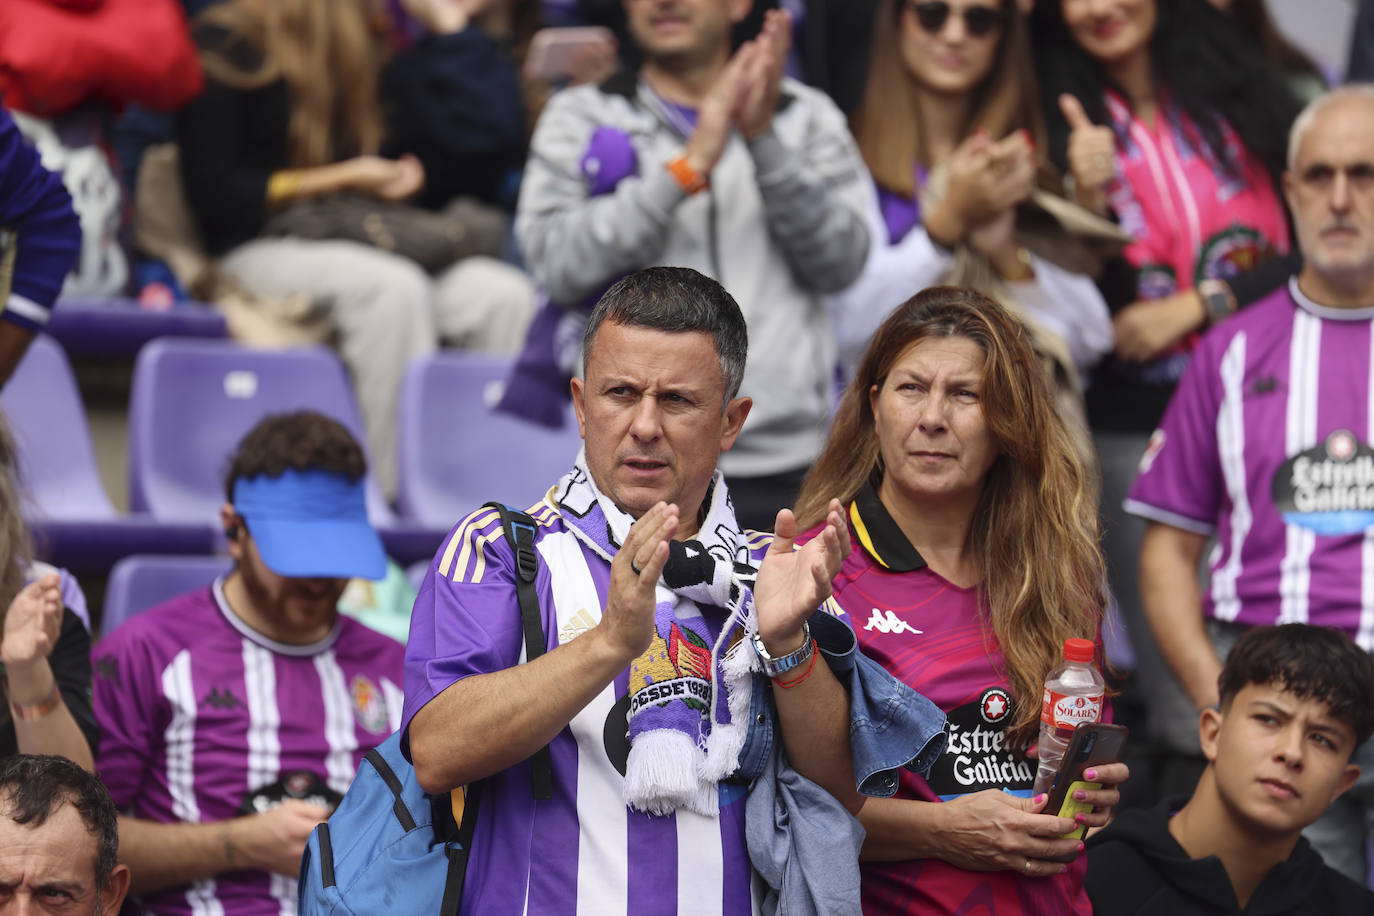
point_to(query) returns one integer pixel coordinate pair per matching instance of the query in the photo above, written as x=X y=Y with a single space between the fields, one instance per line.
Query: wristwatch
x=775 y=667
x=1217 y=300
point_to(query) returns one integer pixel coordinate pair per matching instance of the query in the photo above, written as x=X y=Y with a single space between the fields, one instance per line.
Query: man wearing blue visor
x=233 y=718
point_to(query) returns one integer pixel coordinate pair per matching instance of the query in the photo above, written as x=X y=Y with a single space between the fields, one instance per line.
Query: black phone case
x=1092 y=744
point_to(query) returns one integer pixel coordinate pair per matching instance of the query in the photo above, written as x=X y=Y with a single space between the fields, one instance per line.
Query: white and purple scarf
x=689 y=693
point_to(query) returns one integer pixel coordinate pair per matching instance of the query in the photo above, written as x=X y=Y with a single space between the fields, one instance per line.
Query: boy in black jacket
x=1296 y=700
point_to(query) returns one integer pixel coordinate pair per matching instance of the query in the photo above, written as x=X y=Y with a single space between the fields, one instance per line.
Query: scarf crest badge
x=689 y=692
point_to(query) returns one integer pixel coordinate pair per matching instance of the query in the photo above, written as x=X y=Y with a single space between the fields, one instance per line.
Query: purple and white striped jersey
x=582 y=851
x=1266 y=445
x=203 y=718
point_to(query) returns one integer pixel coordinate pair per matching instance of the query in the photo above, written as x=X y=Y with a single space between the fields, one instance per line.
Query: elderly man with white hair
x=1266 y=447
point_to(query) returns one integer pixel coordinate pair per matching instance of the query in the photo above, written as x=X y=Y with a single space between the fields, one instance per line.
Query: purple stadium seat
x=119 y=327
x=69 y=513
x=193 y=400
x=454 y=453
x=139 y=582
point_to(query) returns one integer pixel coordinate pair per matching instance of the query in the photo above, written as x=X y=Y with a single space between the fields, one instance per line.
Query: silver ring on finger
x=1027 y=868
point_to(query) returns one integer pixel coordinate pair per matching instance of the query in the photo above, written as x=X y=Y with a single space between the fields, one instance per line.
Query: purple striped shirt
x=198 y=712
x=582 y=851
x=1266 y=445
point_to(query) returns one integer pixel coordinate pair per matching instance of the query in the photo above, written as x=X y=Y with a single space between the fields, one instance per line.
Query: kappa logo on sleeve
x=888 y=622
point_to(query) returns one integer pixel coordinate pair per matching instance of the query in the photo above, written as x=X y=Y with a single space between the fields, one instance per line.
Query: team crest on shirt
x=301 y=784
x=369 y=706
x=995 y=705
x=1230 y=252
x=1328 y=489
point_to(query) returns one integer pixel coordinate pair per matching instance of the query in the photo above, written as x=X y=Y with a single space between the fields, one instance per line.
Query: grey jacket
x=782 y=223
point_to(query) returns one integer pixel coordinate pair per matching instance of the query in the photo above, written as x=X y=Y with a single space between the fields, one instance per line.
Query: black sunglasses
x=978 y=20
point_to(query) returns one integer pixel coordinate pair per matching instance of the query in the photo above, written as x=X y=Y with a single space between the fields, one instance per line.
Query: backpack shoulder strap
x=458 y=853
x=520 y=530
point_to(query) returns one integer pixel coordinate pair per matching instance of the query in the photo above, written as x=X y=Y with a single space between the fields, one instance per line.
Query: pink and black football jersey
x=930 y=634
x=203 y=718
x=1266 y=444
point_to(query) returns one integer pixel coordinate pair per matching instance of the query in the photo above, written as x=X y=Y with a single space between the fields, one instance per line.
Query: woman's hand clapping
x=986 y=180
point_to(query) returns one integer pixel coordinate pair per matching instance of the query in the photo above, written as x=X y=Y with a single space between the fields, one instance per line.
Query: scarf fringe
x=661 y=775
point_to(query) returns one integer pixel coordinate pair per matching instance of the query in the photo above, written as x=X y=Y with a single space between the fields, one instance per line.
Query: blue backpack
x=391 y=847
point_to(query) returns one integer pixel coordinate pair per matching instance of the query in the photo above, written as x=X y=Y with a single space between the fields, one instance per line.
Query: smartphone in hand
x=1092 y=744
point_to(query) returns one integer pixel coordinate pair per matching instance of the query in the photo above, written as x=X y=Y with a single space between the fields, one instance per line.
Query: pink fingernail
x=1039 y=798
x=1081 y=847
x=1079 y=795
x=1091 y=774
x=1081 y=818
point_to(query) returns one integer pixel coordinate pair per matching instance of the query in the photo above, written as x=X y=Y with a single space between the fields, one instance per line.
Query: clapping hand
x=762 y=74
x=744 y=96
x=628 y=623
x=793 y=583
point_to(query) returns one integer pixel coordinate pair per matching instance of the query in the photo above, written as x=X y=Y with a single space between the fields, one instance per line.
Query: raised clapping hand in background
x=985 y=180
x=745 y=95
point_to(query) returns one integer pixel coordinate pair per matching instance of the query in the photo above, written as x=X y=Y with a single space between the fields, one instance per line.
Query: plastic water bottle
x=1073 y=694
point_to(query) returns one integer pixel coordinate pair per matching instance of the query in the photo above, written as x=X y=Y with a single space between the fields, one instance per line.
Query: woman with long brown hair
x=949 y=125
x=975 y=556
x=292 y=111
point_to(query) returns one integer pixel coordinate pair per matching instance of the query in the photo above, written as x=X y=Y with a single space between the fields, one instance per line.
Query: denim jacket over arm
x=802 y=841
x=890 y=725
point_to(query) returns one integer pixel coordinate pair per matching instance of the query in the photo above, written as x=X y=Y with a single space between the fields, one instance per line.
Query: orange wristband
x=688 y=178
x=31 y=711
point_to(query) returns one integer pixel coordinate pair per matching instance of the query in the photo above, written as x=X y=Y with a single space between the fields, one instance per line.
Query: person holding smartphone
x=1280 y=749
x=974 y=556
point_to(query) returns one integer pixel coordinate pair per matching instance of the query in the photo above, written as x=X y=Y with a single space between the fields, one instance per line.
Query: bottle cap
x=1079 y=650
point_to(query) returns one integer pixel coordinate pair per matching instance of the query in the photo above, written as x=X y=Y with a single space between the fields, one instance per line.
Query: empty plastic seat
x=454 y=453
x=69 y=513
x=193 y=400
x=139 y=582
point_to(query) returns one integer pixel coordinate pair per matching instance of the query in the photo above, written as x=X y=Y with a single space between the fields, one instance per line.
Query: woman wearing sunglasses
x=948 y=125
x=1174 y=123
